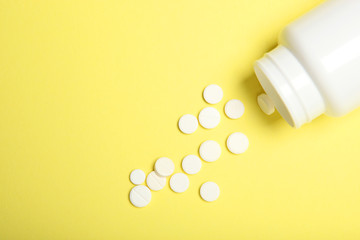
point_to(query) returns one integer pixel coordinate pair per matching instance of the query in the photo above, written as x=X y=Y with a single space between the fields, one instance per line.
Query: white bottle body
x=319 y=59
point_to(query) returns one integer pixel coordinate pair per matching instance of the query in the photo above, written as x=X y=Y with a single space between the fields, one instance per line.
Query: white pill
x=140 y=196
x=209 y=117
x=234 y=109
x=213 y=94
x=155 y=182
x=137 y=176
x=188 y=123
x=191 y=164
x=210 y=151
x=209 y=191
x=266 y=104
x=164 y=167
x=237 y=143
x=179 y=182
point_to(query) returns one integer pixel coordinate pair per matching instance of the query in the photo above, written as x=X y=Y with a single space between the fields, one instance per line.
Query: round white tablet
x=179 y=182
x=191 y=164
x=234 y=109
x=137 y=176
x=266 y=104
x=209 y=117
x=140 y=196
x=209 y=191
x=237 y=143
x=210 y=151
x=188 y=123
x=213 y=94
x=164 y=166
x=155 y=182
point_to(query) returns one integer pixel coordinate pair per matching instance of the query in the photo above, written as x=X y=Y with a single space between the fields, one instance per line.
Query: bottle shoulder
x=335 y=70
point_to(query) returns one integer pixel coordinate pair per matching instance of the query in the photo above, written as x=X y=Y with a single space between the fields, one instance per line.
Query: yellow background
x=90 y=90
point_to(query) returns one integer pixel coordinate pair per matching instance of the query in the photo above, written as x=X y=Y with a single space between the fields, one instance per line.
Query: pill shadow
x=252 y=89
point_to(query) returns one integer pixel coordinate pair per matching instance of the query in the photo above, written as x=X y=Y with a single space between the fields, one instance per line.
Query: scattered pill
x=237 y=143
x=213 y=94
x=266 y=104
x=234 y=109
x=188 y=124
x=210 y=151
x=137 y=176
x=155 y=182
x=164 y=167
x=209 y=191
x=140 y=196
x=209 y=117
x=179 y=182
x=191 y=164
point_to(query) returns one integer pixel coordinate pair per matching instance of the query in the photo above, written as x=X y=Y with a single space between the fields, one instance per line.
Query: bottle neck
x=289 y=86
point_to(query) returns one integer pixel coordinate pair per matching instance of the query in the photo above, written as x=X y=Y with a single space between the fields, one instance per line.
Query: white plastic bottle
x=315 y=69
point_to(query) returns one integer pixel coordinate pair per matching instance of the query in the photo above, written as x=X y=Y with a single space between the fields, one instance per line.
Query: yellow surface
x=90 y=90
